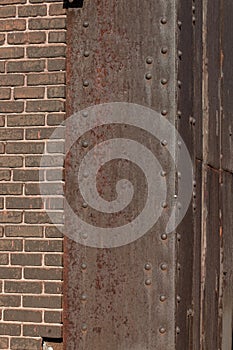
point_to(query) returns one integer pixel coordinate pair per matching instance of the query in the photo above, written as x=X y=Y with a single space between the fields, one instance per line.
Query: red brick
x=24 y=231
x=11 y=162
x=11 y=107
x=21 y=288
x=25 y=343
x=46 y=51
x=2 y=39
x=4 y=258
x=4 y=343
x=11 y=79
x=29 y=92
x=11 y=134
x=11 y=188
x=45 y=133
x=5 y=94
x=26 y=38
x=10 y=300
x=10 y=329
x=26 y=66
x=11 y=217
x=53 y=232
x=5 y=175
x=32 y=11
x=44 y=245
x=11 y=245
x=8 y=11
x=47 y=188
x=10 y=272
x=11 y=25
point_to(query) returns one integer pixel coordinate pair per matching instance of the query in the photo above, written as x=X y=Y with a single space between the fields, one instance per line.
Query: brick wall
x=32 y=93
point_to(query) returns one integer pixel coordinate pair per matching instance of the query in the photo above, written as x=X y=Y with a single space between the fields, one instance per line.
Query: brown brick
x=57 y=37
x=4 y=259
x=44 y=106
x=44 y=246
x=23 y=315
x=11 y=25
x=45 y=133
x=55 y=203
x=50 y=161
x=47 y=302
x=1 y=203
x=23 y=203
x=25 y=259
x=46 y=79
x=2 y=147
x=24 y=231
x=4 y=343
x=25 y=343
x=11 y=134
x=10 y=329
x=1 y=231
x=47 y=188
x=26 y=66
x=11 y=79
x=9 y=300
x=10 y=272
x=25 y=175
x=57 y=64
x=53 y=287
x=11 y=188
x=5 y=175
x=26 y=38
x=43 y=274
x=11 y=162
x=11 y=245
x=2 y=39
x=55 y=118
x=32 y=11
x=2 y=66
x=55 y=175
x=21 y=288
x=11 y=2
x=26 y=119
x=11 y=107
x=9 y=11
x=57 y=9
x=11 y=217
x=53 y=232
x=42 y=331
x=25 y=147
x=53 y=317
x=54 y=260
x=29 y=92
x=5 y=94
x=46 y=51
x=56 y=91
x=47 y=23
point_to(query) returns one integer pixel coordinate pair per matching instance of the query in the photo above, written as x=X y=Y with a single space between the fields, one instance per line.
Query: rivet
x=148 y=76
x=194 y=194
x=83 y=297
x=148 y=266
x=164 y=50
x=179 y=114
x=84 y=327
x=178 y=266
x=179 y=205
x=86 y=53
x=177 y=330
x=194 y=183
x=179 y=83
x=163 y=266
x=194 y=19
x=86 y=24
x=84 y=235
x=193 y=8
x=164 y=81
x=85 y=205
x=164 y=142
x=179 y=24
x=85 y=114
x=194 y=121
x=164 y=112
x=85 y=144
x=163 y=173
x=149 y=60
x=162 y=298
x=86 y=83
x=178 y=298
x=178 y=237
x=164 y=20
x=164 y=236
x=179 y=175
x=162 y=330
x=83 y=266
x=85 y=175
x=179 y=53
x=190 y=120
x=179 y=143
x=164 y=205
x=148 y=282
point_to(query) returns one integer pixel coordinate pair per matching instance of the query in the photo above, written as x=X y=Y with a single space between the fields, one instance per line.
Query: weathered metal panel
x=114 y=302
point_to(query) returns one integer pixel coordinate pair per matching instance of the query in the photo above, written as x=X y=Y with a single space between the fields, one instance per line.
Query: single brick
x=54 y=259
x=1 y=231
x=56 y=147
x=43 y=274
x=5 y=94
x=11 y=107
x=24 y=231
x=9 y=300
x=54 y=232
x=46 y=51
x=57 y=9
x=11 y=134
x=1 y=203
x=10 y=272
x=57 y=64
x=25 y=343
x=5 y=175
x=11 y=245
x=57 y=37
x=26 y=119
x=32 y=11
x=11 y=2
x=44 y=106
x=2 y=66
x=47 y=23
x=26 y=38
x=45 y=133
x=47 y=302
x=25 y=147
x=11 y=25
x=2 y=40
x=55 y=175
x=25 y=175
x=8 y=11
x=11 y=162
x=26 y=66
x=57 y=91
x=11 y=217
x=21 y=288
x=4 y=258
x=29 y=92
x=55 y=118
x=42 y=331
x=11 y=79
x=46 y=79
x=25 y=259
x=55 y=203
x=4 y=342
x=2 y=147
x=24 y=203
x=53 y=317
x=44 y=246
x=23 y=315
x=10 y=329
x=48 y=161
x=53 y=287
x=11 y=188
x=46 y=188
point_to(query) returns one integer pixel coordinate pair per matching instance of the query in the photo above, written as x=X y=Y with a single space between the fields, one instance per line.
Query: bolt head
x=84 y=327
x=163 y=173
x=149 y=60
x=86 y=53
x=164 y=50
x=164 y=142
x=85 y=144
x=177 y=330
x=163 y=266
x=179 y=53
x=85 y=114
x=162 y=330
x=86 y=24
x=83 y=266
x=148 y=282
x=86 y=83
x=148 y=266
x=179 y=24
x=83 y=297
x=164 y=20
x=148 y=76
x=164 y=81
x=164 y=112
x=85 y=205
x=178 y=298
x=164 y=236
x=162 y=298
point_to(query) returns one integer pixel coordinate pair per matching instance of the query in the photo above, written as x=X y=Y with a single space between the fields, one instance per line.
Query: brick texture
x=32 y=105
